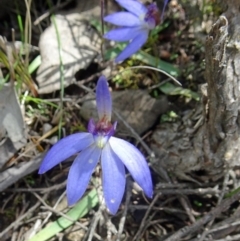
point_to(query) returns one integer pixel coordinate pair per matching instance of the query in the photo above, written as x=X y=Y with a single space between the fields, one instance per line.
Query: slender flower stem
x=102 y=3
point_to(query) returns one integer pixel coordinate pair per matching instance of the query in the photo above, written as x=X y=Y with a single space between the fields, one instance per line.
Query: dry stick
x=14 y=236
x=188 y=209
x=20 y=234
x=227 y=221
x=124 y=215
x=165 y=185
x=42 y=190
x=230 y=238
x=152 y=155
x=146 y=226
x=98 y=214
x=226 y=224
x=111 y=229
x=150 y=222
x=225 y=183
x=138 y=234
x=97 y=217
x=207 y=218
x=9 y=198
x=54 y=207
x=199 y=191
x=15 y=223
x=164 y=174
x=135 y=134
x=94 y=224
x=63 y=215
x=48 y=13
x=145 y=207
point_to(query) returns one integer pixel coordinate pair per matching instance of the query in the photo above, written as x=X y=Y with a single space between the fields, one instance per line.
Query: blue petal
x=133 y=6
x=65 y=148
x=113 y=179
x=135 y=162
x=133 y=47
x=104 y=100
x=81 y=172
x=123 y=34
x=123 y=19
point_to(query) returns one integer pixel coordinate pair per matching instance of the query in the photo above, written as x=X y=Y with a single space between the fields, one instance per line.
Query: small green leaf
x=170 y=89
x=197 y=203
x=38 y=101
x=145 y=58
x=114 y=52
x=231 y=193
x=34 y=64
x=155 y=62
x=158 y=29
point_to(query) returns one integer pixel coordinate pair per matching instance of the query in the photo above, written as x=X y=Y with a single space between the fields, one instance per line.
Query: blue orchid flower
x=135 y=25
x=99 y=144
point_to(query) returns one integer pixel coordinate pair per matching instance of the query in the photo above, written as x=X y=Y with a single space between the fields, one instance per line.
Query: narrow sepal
x=135 y=162
x=123 y=19
x=64 y=149
x=133 y=47
x=133 y=6
x=104 y=100
x=113 y=179
x=123 y=34
x=81 y=172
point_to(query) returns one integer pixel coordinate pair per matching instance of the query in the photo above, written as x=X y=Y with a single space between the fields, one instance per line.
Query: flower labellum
x=134 y=25
x=98 y=144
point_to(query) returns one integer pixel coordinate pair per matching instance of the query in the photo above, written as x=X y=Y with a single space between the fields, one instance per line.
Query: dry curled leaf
x=12 y=127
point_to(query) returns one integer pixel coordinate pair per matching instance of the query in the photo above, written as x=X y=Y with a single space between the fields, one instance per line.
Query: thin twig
x=152 y=68
x=187 y=208
x=207 y=218
x=143 y=223
x=124 y=215
x=222 y=193
x=42 y=190
x=15 y=223
x=53 y=9
x=135 y=134
x=63 y=215
x=93 y=226
x=54 y=207
x=198 y=191
x=224 y=226
x=98 y=214
x=230 y=238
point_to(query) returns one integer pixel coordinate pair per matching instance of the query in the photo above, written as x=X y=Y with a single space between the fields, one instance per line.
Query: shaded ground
x=34 y=201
